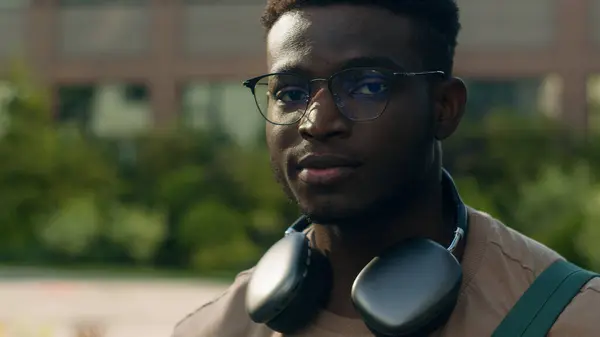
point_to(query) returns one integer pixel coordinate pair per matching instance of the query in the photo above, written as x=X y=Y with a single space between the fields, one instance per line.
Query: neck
x=350 y=248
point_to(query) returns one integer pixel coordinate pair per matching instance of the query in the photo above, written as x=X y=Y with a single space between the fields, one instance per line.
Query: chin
x=343 y=212
x=331 y=213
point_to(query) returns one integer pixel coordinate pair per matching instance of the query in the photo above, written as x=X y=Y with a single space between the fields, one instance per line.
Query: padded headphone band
x=299 y=225
x=462 y=216
x=461 y=210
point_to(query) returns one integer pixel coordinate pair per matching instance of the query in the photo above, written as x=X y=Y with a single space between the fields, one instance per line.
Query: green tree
x=42 y=170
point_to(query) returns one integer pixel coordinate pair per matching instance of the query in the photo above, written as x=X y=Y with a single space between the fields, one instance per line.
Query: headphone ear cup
x=409 y=290
x=313 y=294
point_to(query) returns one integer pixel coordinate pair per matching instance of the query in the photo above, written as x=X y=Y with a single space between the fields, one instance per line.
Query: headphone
x=409 y=290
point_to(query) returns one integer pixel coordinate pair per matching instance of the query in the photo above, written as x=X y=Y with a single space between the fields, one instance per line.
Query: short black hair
x=437 y=23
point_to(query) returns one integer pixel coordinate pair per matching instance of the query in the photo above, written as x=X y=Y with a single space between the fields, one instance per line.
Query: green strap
x=544 y=301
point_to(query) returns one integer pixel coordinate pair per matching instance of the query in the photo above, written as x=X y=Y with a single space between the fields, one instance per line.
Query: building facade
x=140 y=63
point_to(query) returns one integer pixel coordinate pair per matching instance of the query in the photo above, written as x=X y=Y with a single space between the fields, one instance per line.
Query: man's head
x=366 y=141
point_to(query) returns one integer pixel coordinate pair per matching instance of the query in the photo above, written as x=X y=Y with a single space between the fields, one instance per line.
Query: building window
x=104 y=27
x=594 y=21
x=14 y=4
x=75 y=104
x=507 y=24
x=12 y=27
x=136 y=93
x=7 y=93
x=222 y=104
x=523 y=96
x=110 y=110
x=70 y=3
x=593 y=98
x=239 y=33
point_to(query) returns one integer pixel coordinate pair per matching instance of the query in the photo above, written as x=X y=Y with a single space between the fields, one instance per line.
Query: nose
x=322 y=119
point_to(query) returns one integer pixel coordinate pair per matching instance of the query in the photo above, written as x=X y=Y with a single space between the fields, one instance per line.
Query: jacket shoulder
x=224 y=316
x=582 y=315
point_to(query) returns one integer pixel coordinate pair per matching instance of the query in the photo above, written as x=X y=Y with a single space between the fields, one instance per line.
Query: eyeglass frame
x=252 y=82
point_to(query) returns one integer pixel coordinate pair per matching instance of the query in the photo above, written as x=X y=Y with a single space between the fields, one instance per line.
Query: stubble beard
x=368 y=215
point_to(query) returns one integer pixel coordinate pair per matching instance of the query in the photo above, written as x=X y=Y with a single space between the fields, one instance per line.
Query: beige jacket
x=499 y=264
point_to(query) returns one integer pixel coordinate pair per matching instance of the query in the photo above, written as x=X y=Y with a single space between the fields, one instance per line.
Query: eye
x=291 y=95
x=370 y=87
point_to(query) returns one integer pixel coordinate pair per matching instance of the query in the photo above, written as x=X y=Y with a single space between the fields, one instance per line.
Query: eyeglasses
x=360 y=94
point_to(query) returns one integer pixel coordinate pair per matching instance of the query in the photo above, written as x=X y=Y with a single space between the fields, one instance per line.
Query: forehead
x=322 y=40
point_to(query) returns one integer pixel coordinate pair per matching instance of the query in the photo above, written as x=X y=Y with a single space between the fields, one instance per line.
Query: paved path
x=54 y=308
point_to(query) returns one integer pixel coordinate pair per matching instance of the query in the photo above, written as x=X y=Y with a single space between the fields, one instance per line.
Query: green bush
x=42 y=171
x=552 y=208
x=588 y=236
x=534 y=176
x=72 y=229
x=138 y=232
x=216 y=237
x=195 y=200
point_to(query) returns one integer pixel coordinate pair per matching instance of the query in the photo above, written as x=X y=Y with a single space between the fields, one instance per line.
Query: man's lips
x=328 y=176
x=326 y=169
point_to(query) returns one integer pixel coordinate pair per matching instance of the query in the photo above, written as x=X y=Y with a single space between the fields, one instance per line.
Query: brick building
x=139 y=63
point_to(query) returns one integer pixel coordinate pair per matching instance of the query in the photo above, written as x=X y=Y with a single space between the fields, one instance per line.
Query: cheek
x=402 y=137
x=279 y=140
x=409 y=115
x=278 y=137
x=269 y=136
x=399 y=130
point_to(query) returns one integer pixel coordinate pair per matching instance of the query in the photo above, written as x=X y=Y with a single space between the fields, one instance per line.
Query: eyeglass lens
x=360 y=94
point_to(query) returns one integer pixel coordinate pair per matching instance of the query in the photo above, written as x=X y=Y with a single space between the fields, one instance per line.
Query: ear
x=450 y=100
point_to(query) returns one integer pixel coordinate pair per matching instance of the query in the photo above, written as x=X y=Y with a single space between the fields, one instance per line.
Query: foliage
x=195 y=200
x=72 y=228
x=42 y=170
x=534 y=176
x=139 y=232
x=588 y=236
x=553 y=207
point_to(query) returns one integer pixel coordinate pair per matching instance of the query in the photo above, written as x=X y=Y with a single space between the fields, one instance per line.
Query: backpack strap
x=540 y=306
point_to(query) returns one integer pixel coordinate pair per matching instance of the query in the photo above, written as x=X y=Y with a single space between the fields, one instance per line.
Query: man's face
x=336 y=169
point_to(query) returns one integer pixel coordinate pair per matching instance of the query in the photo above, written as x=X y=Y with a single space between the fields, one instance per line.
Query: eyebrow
x=365 y=61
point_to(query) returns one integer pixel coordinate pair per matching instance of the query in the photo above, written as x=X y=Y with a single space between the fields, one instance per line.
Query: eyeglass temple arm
x=412 y=74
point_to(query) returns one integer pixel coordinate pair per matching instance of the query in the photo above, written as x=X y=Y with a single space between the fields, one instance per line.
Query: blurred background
x=135 y=183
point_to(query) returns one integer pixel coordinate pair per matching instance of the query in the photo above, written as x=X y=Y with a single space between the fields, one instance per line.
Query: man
x=372 y=179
